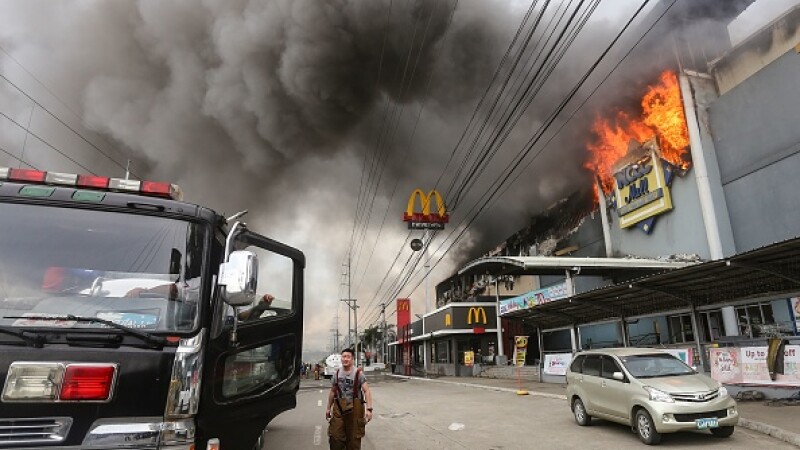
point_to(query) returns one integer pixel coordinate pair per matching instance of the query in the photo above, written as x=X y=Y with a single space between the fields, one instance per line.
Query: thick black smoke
x=270 y=105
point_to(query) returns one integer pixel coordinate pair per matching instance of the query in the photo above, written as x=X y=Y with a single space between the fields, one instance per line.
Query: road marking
x=319 y=402
x=318 y=435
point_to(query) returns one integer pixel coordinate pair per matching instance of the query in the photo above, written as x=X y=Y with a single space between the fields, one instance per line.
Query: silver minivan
x=650 y=390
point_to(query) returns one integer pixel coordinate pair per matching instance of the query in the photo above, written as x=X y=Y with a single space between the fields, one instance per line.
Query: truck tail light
x=33 y=176
x=87 y=382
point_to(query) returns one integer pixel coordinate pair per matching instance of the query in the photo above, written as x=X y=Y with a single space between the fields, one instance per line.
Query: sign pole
x=427 y=267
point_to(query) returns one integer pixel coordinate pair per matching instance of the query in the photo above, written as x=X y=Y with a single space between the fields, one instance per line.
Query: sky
x=281 y=106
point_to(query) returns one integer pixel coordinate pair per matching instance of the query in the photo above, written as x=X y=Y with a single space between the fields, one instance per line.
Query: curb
x=482 y=386
x=759 y=427
x=777 y=433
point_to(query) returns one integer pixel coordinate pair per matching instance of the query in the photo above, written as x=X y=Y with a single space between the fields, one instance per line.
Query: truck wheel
x=645 y=428
x=579 y=411
x=722 y=432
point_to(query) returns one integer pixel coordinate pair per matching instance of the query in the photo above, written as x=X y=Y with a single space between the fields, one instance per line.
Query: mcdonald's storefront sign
x=423 y=219
x=403 y=305
x=477 y=318
x=467 y=318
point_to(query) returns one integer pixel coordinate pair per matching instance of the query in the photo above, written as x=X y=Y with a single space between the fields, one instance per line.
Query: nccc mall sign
x=422 y=219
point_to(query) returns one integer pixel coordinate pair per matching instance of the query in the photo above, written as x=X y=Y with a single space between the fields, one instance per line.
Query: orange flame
x=662 y=117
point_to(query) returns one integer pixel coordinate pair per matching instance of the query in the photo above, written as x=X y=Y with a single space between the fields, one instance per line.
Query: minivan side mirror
x=619 y=376
x=239 y=277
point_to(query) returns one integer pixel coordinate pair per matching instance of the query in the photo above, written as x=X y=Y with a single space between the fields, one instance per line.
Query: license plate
x=704 y=424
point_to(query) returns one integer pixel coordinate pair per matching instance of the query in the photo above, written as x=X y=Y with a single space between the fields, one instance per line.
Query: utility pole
x=383 y=341
x=353 y=304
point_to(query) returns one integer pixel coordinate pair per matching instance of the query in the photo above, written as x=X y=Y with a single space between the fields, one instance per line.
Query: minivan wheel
x=581 y=417
x=645 y=428
x=722 y=432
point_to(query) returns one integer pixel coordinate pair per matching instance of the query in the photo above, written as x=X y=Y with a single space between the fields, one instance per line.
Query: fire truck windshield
x=138 y=271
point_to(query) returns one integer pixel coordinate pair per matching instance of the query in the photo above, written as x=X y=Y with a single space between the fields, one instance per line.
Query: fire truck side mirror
x=239 y=277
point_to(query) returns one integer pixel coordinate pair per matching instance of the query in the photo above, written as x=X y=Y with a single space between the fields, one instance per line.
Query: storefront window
x=756 y=320
x=681 y=328
x=443 y=352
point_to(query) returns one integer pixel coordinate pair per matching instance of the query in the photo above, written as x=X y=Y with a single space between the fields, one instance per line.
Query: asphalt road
x=420 y=415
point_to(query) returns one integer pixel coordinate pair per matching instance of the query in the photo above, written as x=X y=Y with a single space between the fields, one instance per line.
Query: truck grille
x=720 y=414
x=696 y=397
x=52 y=430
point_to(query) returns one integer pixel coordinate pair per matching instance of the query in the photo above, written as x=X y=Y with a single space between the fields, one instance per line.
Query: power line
x=511 y=73
x=62 y=122
x=408 y=148
x=477 y=108
x=535 y=139
x=46 y=143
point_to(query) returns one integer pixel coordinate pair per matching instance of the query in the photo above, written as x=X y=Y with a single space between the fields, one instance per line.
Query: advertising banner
x=796 y=310
x=520 y=350
x=684 y=354
x=748 y=365
x=533 y=298
x=557 y=363
x=469 y=358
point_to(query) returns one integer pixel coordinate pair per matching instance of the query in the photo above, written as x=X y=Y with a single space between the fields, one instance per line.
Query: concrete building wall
x=757 y=51
x=757 y=141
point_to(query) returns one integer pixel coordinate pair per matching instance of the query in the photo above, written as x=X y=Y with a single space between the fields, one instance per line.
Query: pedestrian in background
x=349 y=405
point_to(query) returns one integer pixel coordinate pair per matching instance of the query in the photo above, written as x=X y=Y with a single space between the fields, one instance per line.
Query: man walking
x=346 y=405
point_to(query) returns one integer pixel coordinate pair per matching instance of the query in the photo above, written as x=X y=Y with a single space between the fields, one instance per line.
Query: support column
x=697 y=338
x=623 y=322
x=696 y=92
x=575 y=338
x=541 y=351
x=500 y=351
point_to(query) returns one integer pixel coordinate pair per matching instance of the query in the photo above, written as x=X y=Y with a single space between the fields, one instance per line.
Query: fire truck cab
x=132 y=320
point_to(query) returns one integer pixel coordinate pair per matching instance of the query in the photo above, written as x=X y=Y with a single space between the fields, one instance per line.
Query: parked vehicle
x=130 y=319
x=651 y=391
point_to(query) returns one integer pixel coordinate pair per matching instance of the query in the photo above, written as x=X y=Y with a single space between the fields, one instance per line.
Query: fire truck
x=130 y=319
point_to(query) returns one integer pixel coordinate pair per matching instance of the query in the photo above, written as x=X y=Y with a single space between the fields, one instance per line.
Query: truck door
x=248 y=382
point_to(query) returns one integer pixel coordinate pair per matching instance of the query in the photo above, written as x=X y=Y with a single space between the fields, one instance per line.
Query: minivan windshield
x=138 y=271
x=655 y=365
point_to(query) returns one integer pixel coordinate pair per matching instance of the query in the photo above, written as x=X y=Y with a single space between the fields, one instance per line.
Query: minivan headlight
x=658 y=396
x=723 y=391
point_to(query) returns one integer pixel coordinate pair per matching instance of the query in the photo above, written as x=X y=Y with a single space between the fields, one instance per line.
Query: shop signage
x=796 y=309
x=520 y=350
x=557 y=363
x=533 y=298
x=748 y=365
x=469 y=358
x=423 y=219
x=641 y=191
x=477 y=318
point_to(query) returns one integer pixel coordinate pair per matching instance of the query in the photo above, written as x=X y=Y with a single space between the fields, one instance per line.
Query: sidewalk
x=780 y=422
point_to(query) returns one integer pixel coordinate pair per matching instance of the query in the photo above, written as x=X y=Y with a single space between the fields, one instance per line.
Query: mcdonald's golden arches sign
x=476 y=316
x=422 y=219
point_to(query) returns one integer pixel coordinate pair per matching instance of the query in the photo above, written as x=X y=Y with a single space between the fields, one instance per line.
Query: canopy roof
x=556 y=265
x=771 y=271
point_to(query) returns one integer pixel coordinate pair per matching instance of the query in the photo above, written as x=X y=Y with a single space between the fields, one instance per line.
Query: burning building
x=700 y=172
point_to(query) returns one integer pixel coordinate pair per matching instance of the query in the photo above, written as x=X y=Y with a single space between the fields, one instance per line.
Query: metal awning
x=556 y=265
x=771 y=271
